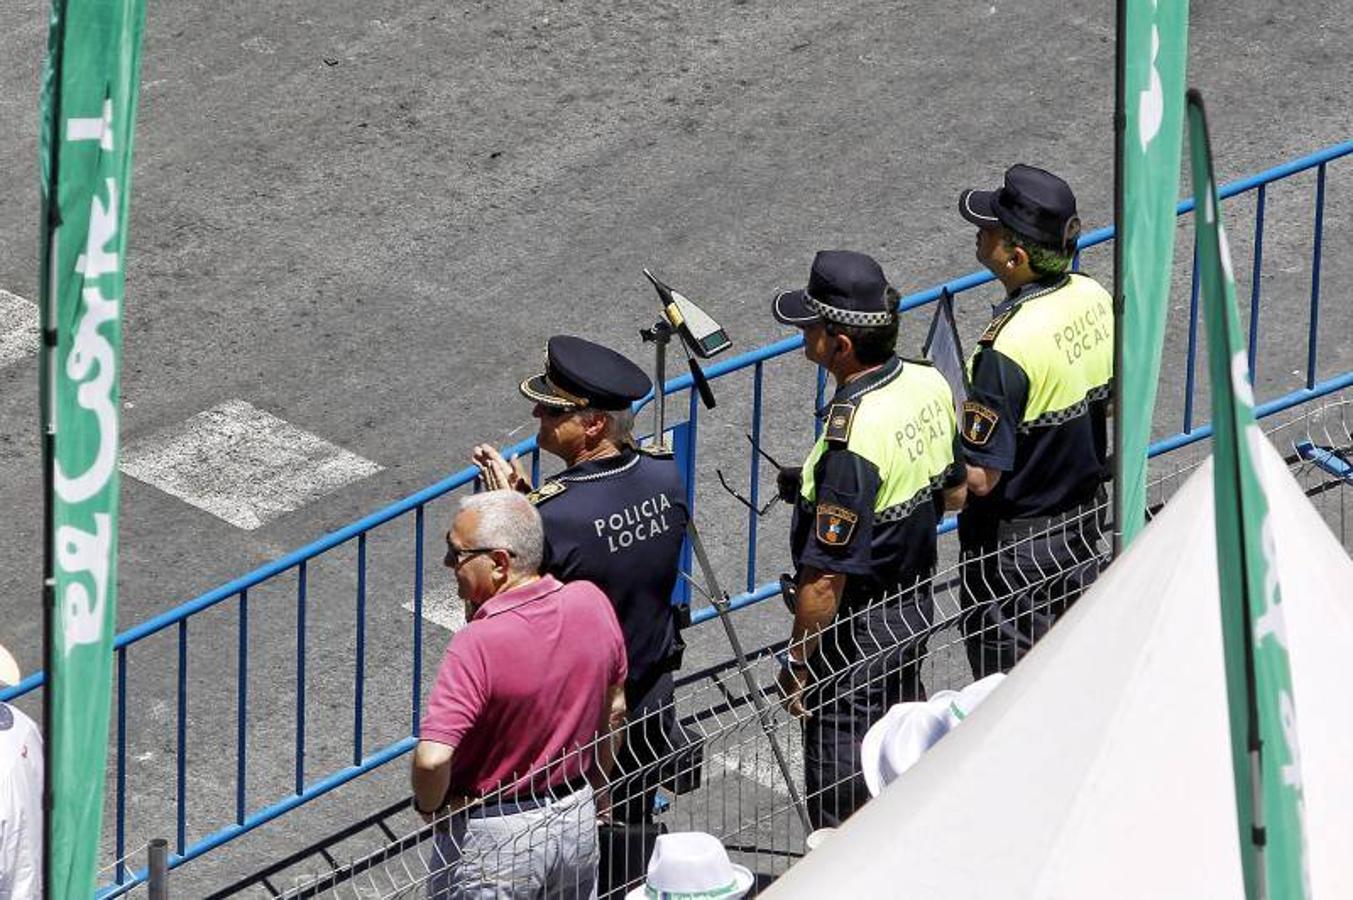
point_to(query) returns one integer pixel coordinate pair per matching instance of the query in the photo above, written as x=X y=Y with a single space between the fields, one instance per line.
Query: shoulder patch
x=546 y=491
x=839 y=419
x=657 y=452
x=994 y=327
x=835 y=524
x=979 y=423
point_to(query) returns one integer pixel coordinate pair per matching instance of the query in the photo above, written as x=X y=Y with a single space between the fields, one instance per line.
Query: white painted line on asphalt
x=242 y=464
x=760 y=765
x=441 y=606
x=18 y=328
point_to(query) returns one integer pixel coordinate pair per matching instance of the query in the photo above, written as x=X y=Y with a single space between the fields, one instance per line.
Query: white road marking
x=760 y=765
x=442 y=606
x=19 y=331
x=242 y=464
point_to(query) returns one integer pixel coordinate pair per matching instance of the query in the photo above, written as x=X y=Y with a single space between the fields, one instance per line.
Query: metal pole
x=157 y=868
x=1119 y=303
x=763 y=714
x=659 y=382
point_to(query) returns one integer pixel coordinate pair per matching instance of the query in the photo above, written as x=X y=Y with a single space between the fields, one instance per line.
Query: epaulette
x=546 y=491
x=994 y=328
x=920 y=361
x=840 y=416
x=658 y=451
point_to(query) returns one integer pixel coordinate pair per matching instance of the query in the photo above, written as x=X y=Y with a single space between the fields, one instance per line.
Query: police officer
x=863 y=535
x=1034 y=434
x=616 y=516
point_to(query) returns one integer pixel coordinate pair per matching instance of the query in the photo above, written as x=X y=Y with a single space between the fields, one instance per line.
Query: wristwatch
x=425 y=812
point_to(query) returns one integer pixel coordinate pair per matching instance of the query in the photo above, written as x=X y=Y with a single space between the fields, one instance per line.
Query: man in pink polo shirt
x=519 y=720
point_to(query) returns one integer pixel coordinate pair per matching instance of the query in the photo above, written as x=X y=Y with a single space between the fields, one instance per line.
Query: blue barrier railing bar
x=418 y=526
x=181 y=798
x=1315 y=274
x=1287 y=401
x=1325 y=460
x=300 y=676
x=268 y=813
x=120 y=828
x=242 y=708
x=1191 y=354
x=754 y=493
x=359 y=677
x=1256 y=274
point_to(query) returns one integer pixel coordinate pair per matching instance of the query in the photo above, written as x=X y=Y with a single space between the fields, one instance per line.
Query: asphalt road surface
x=353 y=227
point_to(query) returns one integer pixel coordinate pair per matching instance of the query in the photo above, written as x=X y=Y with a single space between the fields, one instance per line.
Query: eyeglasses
x=457 y=557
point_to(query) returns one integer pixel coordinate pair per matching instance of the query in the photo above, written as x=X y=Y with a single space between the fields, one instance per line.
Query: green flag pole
x=88 y=113
x=1264 y=753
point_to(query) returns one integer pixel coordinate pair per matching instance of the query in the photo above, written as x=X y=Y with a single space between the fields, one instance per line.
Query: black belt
x=527 y=801
x=1033 y=525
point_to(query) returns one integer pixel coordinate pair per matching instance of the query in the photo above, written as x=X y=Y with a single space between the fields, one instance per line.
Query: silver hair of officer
x=507 y=521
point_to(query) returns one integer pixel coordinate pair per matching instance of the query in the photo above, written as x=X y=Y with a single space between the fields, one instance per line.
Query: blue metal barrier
x=244 y=820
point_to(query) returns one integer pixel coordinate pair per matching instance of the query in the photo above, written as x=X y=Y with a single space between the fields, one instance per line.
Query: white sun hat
x=9 y=669
x=692 y=865
x=896 y=742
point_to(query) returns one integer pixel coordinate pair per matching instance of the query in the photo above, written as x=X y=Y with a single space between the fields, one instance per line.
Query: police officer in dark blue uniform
x=1034 y=426
x=616 y=516
x=868 y=500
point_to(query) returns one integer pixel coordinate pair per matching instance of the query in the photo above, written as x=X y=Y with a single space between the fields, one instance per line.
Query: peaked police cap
x=1033 y=203
x=844 y=287
x=582 y=375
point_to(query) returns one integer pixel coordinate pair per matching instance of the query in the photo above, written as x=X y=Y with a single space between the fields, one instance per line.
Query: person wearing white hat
x=20 y=796
x=692 y=865
x=896 y=742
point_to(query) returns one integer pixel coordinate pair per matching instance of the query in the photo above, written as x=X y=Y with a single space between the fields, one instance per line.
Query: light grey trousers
x=547 y=853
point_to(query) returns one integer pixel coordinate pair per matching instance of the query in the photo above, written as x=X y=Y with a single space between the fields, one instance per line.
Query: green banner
x=88 y=112
x=1155 y=47
x=1258 y=674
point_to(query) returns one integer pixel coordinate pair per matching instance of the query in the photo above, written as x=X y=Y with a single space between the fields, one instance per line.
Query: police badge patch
x=839 y=419
x=835 y=524
x=546 y=491
x=979 y=423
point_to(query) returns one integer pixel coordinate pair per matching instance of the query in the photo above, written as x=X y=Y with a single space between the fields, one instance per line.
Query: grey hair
x=619 y=425
x=507 y=521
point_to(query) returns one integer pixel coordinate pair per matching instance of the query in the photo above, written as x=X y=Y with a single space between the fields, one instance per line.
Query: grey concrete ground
x=365 y=219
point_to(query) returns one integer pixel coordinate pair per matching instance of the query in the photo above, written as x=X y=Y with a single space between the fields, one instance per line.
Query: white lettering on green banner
x=88 y=115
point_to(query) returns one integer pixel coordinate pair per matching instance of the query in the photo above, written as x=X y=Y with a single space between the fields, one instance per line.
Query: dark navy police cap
x=844 y=287
x=1032 y=202
x=582 y=375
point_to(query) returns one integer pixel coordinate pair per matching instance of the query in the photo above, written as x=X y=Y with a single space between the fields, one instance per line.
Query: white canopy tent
x=1101 y=767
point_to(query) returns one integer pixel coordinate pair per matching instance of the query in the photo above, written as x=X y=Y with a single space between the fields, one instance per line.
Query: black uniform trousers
x=1019 y=576
x=867 y=660
x=638 y=773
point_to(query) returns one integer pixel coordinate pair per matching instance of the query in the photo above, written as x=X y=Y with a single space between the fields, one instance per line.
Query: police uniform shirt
x=871 y=497
x=619 y=523
x=1046 y=433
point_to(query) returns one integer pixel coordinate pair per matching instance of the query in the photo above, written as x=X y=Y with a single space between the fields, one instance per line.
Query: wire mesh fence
x=730 y=761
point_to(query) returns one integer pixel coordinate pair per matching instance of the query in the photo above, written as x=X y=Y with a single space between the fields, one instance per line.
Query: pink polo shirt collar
x=521 y=594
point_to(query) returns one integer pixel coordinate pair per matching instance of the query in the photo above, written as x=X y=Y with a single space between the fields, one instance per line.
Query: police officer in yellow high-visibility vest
x=869 y=497
x=1034 y=434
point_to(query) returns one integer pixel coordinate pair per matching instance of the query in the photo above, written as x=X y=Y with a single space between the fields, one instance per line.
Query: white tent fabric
x=1101 y=766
